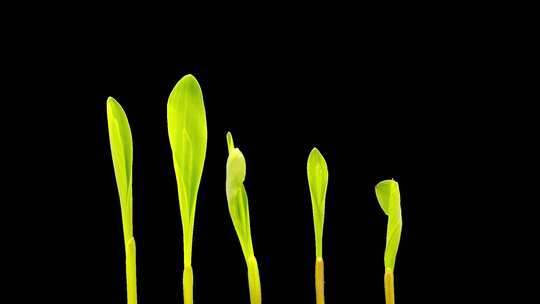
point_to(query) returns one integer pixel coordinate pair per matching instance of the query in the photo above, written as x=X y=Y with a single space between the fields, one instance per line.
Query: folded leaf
x=237 y=197
x=389 y=199
x=317 y=172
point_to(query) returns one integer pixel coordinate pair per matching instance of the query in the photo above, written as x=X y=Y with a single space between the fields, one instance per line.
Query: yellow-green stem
x=389 y=286
x=319 y=280
x=131 y=271
x=188 y=284
x=254 y=281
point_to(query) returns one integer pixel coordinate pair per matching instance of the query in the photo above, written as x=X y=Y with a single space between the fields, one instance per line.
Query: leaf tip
x=187 y=84
x=115 y=110
x=110 y=99
x=387 y=184
x=190 y=82
x=316 y=158
x=385 y=191
x=230 y=142
x=111 y=103
x=190 y=77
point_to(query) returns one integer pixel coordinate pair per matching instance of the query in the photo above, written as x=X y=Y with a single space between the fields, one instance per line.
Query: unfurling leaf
x=237 y=197
x=388 y=196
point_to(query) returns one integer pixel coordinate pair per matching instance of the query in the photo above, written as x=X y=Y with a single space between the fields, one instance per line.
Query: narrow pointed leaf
x=387 y=193
x=186 y=121
x=317 y=172
x=230 y=142
x=122 y=155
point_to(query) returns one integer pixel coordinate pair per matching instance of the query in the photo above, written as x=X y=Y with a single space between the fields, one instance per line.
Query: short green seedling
x=317 y=173
x=122 y=155
x=186 y=120
x=239 y=209
x=388 y=196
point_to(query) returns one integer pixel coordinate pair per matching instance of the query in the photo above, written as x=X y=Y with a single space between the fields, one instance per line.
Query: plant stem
x=188 y=284
x=389 y=286
x=254 y=281
x=319 y=280
x=131 y=271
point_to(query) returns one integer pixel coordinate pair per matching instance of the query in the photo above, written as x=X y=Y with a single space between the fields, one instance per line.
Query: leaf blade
x=317 y=172
x=121 y=143
x=237 y=199
x=186 y=125
x=389 y=199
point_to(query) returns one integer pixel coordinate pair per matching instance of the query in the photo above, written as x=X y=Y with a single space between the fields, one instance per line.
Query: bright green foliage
x=186 y=120
x=388 y=196
x=239 y=210
x=317 y=172
x=122 y=155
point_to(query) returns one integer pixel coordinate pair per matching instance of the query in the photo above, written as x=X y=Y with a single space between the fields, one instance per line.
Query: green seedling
x=388 y=196
x=186 y=120
x=122 y=155
x=317 y=173
x=239 y=209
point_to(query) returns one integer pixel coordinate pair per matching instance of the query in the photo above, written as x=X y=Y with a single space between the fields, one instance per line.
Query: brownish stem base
x=389 y=286
x=188 y=284
x=319 y=280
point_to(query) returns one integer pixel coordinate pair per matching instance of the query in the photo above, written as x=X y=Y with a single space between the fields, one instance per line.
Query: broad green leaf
x=237 y=197
x=388 y=196
x=122 y=155
x=186 y=121
x=317 y=172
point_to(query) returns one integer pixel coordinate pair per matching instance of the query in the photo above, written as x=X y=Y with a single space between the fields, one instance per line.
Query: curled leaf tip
x=387 y=192
x=389 y=199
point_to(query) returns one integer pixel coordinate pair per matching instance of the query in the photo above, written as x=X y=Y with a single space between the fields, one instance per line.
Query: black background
x=410 y=103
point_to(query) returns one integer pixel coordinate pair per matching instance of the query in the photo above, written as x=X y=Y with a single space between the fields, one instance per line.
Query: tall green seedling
x=387 y=193
x=239 y=210
x=122 y=155
x=186 y=121
x=317 y=173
